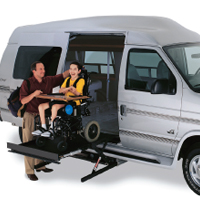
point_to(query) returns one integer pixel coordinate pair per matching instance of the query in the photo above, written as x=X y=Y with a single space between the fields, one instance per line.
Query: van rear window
x=26 y=55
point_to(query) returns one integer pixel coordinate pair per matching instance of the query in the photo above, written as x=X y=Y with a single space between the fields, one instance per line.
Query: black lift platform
x=77 y=148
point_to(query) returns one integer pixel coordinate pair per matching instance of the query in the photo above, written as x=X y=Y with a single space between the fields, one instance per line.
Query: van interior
x=102 y=55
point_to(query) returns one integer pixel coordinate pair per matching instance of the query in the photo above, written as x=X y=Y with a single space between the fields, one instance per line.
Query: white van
x=146 y=89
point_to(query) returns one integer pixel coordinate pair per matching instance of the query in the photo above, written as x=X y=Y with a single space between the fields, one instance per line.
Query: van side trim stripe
x=4 y=88
x=161 y=116
x=148 y=137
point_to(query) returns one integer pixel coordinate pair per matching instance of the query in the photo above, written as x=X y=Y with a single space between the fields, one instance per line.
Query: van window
x=97 y=61
x=26 y=55
x=143 y=68
x=186 y=57
x=93 y=61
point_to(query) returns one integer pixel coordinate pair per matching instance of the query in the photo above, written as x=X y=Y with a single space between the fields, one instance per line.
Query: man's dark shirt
x=47 y=85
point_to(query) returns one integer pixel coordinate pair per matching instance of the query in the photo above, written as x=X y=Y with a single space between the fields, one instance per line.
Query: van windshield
x=187 y=60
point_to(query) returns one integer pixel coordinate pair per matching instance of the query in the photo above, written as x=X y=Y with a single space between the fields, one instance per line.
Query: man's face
x=40 y=71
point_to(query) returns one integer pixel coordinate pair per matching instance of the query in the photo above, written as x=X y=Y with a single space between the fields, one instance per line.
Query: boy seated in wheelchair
x=72 y=86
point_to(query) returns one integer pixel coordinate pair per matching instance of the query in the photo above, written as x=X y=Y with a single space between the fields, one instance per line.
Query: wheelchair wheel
x=40 y=141
x=92 y=131
x=62 y=146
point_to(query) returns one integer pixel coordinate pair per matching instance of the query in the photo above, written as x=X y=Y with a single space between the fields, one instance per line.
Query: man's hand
x=65 y=74
x=37 y=92
x=27 y=99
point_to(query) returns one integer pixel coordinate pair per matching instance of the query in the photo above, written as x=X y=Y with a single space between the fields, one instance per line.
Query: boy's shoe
x=47 y=133
x=39 y=131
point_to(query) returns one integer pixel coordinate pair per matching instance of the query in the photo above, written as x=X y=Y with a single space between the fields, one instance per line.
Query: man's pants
x=28 y=128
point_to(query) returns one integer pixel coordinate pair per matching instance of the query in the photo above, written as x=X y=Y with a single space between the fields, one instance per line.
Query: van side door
x=148 y=114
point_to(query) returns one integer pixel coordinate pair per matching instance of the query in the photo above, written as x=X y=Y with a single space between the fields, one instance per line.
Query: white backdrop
x=128 y=181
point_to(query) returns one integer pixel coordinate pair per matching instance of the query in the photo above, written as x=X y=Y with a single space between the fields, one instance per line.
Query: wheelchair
x=67 y=126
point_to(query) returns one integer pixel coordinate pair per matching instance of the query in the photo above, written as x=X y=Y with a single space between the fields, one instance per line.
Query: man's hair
x=33 y=66
x=77 y=64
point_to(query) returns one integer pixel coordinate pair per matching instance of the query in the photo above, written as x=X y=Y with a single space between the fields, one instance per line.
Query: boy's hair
x=33 y=66
x=77 y=64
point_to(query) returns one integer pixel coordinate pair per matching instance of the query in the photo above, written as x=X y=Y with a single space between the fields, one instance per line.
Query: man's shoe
x=32 y=177
x=46 y=170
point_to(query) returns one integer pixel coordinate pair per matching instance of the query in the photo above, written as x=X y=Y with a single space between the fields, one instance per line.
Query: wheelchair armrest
x=84 y=108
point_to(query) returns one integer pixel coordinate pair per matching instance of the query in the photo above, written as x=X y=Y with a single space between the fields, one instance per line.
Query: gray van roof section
x=139 y=30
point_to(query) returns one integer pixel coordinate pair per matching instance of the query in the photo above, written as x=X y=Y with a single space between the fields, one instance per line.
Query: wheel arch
x=186 y=143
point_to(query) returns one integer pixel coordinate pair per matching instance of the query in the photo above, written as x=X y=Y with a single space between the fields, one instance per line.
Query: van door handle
x=123 y=110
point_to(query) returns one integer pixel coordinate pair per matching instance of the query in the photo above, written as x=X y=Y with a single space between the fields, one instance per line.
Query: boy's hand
x=72 y=89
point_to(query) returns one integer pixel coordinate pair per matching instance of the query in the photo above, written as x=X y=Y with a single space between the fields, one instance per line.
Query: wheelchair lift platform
x=78 y=148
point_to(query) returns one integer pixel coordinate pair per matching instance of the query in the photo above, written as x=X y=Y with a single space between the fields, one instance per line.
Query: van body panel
x=8 y=60
x=190 y=113
x=142 y=30
x=6 y=79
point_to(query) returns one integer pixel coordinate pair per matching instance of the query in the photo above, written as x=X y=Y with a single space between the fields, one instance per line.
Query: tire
x=92 y=131
x=62 y=146
x=191 y=169
x=20 y=134
x=40 y=141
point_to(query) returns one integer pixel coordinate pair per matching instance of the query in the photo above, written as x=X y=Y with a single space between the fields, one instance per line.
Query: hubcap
x=92 y=131
x=195 y=169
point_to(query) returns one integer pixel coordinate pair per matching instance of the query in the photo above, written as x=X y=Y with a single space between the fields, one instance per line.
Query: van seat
x=162 y=71
x=132 y=73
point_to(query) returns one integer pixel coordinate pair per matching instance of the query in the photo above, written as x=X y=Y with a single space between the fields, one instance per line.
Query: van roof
x=140 y=30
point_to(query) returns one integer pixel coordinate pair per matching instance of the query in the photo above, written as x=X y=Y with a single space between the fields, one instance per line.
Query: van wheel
x=20 y=134
x=191 y=169
x=92 y=131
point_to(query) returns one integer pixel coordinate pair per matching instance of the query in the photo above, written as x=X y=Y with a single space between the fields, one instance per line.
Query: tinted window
x=26 y=55
x=97 y=57
x=186 y=57
x=97 y=61
x=144 y=67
